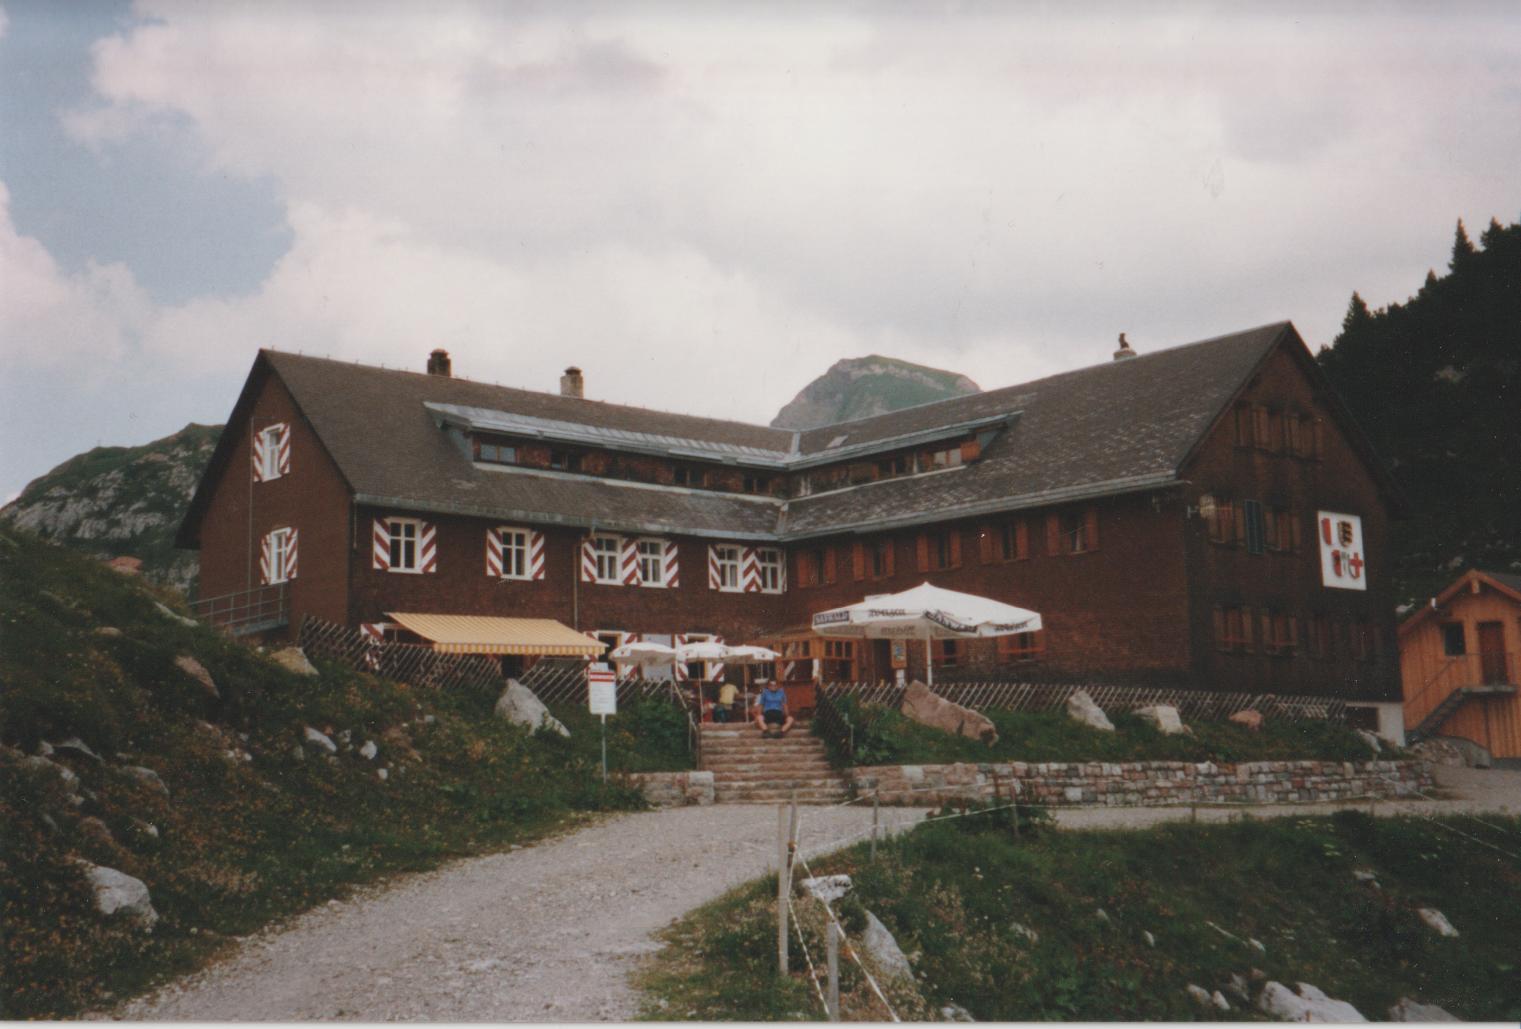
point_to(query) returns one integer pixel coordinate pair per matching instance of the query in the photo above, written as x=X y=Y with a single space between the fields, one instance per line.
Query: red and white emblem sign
x=1343 y=564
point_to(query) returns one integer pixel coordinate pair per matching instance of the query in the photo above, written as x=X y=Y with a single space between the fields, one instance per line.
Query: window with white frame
x=651 y=562
x=769 y=561
x=403 y=544
x=607 y=550
x=281 y=555
x=728 y=559
x=514 y=553
x=271 y=452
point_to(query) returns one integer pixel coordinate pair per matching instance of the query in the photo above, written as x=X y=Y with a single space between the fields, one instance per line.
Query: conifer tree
x=1357 y=314
x=1462 y=247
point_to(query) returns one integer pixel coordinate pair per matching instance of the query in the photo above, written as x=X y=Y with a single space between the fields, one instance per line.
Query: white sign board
x=602 y=690
x=1343 y=562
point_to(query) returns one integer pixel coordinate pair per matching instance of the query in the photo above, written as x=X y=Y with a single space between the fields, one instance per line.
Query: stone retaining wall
x=674 y=789
x=1146 y=783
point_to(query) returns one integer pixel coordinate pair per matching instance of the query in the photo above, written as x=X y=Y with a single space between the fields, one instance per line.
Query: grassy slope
x=952 y=894
x=239 y=842
x=1052 y=736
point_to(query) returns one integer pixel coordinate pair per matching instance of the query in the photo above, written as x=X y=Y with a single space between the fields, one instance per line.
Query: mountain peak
x=859 y=387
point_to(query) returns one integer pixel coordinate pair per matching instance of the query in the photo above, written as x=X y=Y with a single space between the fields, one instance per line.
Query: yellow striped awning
x=478 y=634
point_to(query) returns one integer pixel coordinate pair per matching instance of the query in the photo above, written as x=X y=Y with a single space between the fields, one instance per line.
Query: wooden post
x=876 y=814
x=782 y=886
x=832 y=1001
x=1014 y=807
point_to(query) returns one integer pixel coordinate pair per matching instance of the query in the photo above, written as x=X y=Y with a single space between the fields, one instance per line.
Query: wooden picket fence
x=1206 y=705
x=412 y=663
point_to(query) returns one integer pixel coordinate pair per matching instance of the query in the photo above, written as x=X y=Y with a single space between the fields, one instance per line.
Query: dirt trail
x=549 y=933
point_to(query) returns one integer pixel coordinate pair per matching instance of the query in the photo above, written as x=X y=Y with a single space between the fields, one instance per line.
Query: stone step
x=820 y=767
x=762 y=746
x=732 y=795
x=764 y=782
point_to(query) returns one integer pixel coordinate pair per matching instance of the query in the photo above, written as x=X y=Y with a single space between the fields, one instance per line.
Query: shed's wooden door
x=1492 y=652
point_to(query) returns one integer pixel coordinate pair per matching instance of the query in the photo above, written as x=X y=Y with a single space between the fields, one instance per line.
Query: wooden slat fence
x=412 y=663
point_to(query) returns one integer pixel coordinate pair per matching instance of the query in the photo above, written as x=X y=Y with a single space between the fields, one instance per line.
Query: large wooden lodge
x=1206 y=516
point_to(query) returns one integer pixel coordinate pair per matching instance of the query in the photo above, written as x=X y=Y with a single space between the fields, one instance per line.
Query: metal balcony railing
x=247 y=611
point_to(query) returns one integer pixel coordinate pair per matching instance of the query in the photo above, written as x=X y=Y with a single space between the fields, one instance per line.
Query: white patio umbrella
x=926 y=613
x=745 y=656
x=643 y=654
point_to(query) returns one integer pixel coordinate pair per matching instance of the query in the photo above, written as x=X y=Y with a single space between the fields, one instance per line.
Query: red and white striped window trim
x=498 y=562
x=424 y=549
x=277 y=556
x=271 y=452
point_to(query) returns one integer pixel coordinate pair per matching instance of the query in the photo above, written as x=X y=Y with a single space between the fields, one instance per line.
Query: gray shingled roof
x=1105 y=429
x=1117 y=426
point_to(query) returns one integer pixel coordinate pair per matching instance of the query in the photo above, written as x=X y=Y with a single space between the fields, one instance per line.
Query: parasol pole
x=929 y=661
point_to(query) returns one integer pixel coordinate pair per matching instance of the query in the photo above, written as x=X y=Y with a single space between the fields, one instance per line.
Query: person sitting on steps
x=728 y=693
x=771 y=716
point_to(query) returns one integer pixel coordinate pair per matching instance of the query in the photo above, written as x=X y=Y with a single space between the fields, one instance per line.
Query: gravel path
x=546 y=933
x=549 y=933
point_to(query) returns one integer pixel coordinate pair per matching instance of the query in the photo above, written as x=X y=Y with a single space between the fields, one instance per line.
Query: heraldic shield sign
x=1343 y=565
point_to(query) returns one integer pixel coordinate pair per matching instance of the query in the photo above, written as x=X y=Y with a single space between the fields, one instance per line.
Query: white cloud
x=706 y=207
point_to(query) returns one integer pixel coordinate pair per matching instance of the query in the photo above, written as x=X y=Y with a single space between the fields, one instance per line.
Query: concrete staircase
x=749 y=769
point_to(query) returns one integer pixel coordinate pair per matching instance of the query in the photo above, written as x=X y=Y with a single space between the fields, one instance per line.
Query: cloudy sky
x=706 y=205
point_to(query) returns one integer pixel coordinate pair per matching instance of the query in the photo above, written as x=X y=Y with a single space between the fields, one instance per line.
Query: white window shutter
x=715 y=577
x=672 y=565
x=282 y=453
x=536 y=555
x=628 y=555
x=749 y=576
x=266 y=558
x=588 y=561
x=427 y=551
x=380 y=552
x=290 y=554
x=494 y=553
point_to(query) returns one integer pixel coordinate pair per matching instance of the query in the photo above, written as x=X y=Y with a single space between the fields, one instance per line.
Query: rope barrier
x=1472 y=817
x=812 y=972
x=850 y=949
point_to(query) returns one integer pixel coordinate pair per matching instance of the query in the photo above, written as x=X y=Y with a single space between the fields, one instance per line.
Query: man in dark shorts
x=771 y=715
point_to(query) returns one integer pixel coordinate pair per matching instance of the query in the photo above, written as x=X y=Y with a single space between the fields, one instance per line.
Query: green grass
x=952 y=894
x=1050 y=736
x=239 y=842
x=644 y=736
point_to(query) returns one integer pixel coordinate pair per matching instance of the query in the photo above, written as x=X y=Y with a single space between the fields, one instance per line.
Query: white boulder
x=1437 y=921
x=1310 y=1004
x=1411 y=1010
x=1371 y=740
x=1199 y=995
x=117 y=891
x=70 y=780
x=369 y=750
x=828 y=888
x=1165 y=717
x=320 y=739
x=148 y=777
x=293 y=659
x=879 y=943
x=172 y=616
x=78 y=746
x=955 y=1013
x=1081 y=707
x=518 y=705
x=1025 y=931
x=1218 y=1000
x=197 y=671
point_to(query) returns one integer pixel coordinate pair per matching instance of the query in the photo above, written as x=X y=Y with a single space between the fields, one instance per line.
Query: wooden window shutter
x=829 y=564
x=971 y=450
x=1021 y=539
x=955 y=535
x=892 y=556
x=1220 y=643
x=985 y=543
x=1238 y=513
x=924 y=549
x=1090 y=518
x=1246 y=628
x=858 y=561
x=1053 y=534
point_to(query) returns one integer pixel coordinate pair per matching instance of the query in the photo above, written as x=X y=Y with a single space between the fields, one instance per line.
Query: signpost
x=602 y=697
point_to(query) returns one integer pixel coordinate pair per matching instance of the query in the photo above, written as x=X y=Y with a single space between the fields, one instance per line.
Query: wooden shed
x=1458 y=661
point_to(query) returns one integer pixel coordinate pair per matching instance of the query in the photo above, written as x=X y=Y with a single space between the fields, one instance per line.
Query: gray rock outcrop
x=117 y=891
x=926 y=707
x=1309 y=1004
x=518 y=705
x=1437 y=921
x=828 y=888
x=293 y=659
x=320 y=740
x=197 y=671
x=1164 y=717
x=1080 y=706
x=878 y=941
x=148 y=777
x=1408 y=1009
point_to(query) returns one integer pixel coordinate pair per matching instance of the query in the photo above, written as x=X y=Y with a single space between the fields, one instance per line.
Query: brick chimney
x=438 y=363
x=1124 y=351
x=571 y=383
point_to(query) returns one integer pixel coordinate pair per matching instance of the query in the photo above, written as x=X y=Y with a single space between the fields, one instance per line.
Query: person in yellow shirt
x=728 y=694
